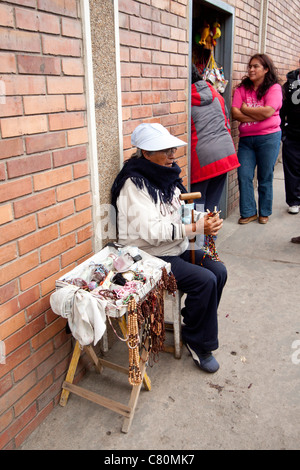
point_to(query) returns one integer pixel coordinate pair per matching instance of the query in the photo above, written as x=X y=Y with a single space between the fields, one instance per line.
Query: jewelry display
x=92 y=296
x=137 y=289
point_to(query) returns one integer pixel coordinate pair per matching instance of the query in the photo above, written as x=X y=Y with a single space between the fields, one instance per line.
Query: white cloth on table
x=86 y=314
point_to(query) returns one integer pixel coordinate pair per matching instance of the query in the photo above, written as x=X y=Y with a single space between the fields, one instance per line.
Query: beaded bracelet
x=106 y=294
x=129 y=288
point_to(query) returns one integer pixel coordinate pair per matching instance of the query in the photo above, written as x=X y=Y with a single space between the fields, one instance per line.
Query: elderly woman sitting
x=146 y=196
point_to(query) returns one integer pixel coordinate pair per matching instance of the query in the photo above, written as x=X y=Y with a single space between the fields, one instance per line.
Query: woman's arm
x=140 y=218
x=238 y=115
x=259 y=113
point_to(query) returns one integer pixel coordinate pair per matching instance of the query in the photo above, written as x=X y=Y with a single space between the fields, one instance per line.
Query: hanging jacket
x=212 y=148
x=290 y=111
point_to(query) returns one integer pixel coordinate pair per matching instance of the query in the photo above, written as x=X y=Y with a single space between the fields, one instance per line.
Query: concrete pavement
x=252 y=402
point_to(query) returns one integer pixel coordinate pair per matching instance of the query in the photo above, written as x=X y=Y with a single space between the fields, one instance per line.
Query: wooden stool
x=175 y=323
x=126 y=410
x=137 y=367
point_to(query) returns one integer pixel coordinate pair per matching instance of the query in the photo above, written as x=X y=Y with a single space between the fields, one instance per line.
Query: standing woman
x=213 y=153
x=256 y=105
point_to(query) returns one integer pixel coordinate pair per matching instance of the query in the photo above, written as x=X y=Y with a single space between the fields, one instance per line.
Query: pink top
x=273 y=98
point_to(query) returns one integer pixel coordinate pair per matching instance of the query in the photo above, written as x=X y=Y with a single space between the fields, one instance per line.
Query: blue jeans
x=261 y=151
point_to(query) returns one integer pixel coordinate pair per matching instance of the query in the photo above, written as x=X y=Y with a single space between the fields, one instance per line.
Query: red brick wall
x=45 y=212
x=154 y=60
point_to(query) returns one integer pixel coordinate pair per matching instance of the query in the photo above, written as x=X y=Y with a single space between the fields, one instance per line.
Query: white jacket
x=154 y=228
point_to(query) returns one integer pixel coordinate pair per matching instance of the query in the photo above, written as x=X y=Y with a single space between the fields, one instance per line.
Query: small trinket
x=92 y=285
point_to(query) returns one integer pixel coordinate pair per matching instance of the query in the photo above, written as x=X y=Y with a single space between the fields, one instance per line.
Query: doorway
x=212 y=37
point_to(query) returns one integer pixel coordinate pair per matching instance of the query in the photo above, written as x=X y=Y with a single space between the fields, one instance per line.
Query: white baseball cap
x=153 y=137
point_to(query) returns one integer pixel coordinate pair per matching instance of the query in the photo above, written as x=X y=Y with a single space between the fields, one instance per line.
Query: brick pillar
x=45 y=213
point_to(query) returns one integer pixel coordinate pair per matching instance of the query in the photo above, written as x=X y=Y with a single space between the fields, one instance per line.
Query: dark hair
x=195 y=74
x=270 y=79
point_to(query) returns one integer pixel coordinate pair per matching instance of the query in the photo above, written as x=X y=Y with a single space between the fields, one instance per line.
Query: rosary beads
x=209 y=242
x=135 y=376
x=169 y=281
x=210 y=248
x=148 y=316
x=145 y=315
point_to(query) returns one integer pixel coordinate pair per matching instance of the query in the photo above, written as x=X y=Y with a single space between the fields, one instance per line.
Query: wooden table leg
x=70 y=374
x=135 y=392
x=126 y=410
x=93 y=356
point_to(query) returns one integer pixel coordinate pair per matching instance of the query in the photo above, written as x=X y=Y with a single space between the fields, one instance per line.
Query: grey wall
x=104 y=66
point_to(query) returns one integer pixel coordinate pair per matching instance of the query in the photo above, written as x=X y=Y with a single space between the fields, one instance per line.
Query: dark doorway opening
x=212 y=35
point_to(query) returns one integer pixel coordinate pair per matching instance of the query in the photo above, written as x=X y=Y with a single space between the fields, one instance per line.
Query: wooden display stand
x=121 y=314
x=126 y=410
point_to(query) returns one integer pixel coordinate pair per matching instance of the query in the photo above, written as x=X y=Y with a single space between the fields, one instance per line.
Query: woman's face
x=256 y=71
x=161 y=157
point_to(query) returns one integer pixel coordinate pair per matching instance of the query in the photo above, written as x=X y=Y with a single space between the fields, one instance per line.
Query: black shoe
x=205 y=361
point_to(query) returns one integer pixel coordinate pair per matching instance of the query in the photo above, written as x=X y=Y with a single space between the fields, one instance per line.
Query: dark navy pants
x=211 y=192
x=291 y=167
x=203 y=286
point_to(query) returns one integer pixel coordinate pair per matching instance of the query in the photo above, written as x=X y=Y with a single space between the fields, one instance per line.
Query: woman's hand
x=244 y=108
x=212 y=224
x=207 y=225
